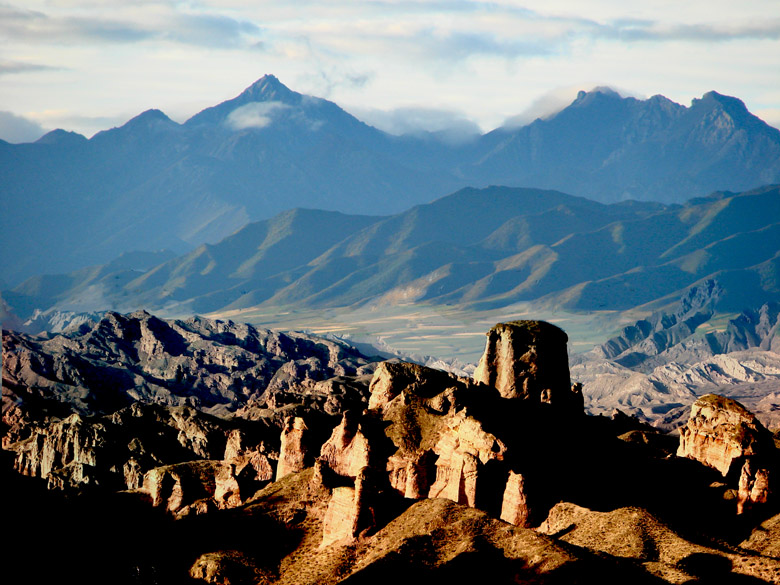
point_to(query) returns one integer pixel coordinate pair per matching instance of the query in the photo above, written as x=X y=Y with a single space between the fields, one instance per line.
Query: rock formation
x=527 y=360
x=754 y=484
x=724 y=435
x=117 y=450
x=69 y=442
x=347 y=451
x=430 y=434
x=410 y=481
x=720 y=432
x=514 y=508
x=293 y=450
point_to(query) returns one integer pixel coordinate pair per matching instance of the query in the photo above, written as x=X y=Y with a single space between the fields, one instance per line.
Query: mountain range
x=153 y=184
x=476 y=248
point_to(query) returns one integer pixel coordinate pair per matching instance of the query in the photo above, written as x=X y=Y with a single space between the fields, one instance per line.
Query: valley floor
x=418 y=329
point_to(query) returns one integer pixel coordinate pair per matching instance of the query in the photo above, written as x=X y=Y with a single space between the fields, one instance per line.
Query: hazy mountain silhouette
x=153 y=184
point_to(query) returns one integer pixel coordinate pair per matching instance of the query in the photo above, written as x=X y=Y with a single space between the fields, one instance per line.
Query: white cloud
x=254 y=115
x=451 y=126
x=17 y=129
x=554 y=100
x=13 y=67
x=491 y=59
x=124 y=24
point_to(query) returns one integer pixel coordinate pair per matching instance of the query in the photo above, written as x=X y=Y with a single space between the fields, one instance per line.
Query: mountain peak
x=269 y=89
x=154 y=114
x=731 y=104
x=268 y=80
x=266 y=89
x=149 y=121
x=596 y=93
x=63 y=137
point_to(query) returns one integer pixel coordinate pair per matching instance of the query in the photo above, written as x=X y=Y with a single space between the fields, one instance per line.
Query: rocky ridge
x=215 y=366
x=657 y=367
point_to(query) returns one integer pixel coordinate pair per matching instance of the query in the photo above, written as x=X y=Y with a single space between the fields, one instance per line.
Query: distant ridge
x=476 y=248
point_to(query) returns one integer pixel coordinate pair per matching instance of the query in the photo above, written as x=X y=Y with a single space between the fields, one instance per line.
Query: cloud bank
x=17 y=129
x=254 y=115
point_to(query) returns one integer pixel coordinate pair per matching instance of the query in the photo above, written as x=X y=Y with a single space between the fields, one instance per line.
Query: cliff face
x=115 y=451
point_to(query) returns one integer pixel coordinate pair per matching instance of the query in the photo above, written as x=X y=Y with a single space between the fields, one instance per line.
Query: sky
x=401 y=65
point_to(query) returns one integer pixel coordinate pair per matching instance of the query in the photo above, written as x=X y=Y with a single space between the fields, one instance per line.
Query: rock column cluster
x=448 y=437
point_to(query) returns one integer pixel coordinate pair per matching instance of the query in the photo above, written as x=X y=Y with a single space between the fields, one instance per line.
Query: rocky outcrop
x=528 y=360
x=463 y=449
x=411 y=475
x=196 y=487
x=347 y=451
x=350 y=456
x=352 y=510
x=720 y=432
x=70 y=442
x=753 y=486
x=183 y=488
x=514 y=508
x=392 y=378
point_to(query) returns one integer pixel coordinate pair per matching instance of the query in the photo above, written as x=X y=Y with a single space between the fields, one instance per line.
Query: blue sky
x=87 y=65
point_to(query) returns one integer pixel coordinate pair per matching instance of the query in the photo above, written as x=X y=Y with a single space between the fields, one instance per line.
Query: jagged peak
x=595 y=93
x=733 y=106
x=268 y=88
